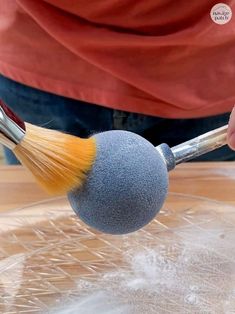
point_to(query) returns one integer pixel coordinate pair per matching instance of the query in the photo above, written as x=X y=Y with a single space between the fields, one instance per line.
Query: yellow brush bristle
x=59 y=162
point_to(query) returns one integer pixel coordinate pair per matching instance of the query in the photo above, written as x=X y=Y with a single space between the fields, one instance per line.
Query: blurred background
x=1 y=155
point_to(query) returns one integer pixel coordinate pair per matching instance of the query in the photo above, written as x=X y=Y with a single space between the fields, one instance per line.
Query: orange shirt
x=158 y=57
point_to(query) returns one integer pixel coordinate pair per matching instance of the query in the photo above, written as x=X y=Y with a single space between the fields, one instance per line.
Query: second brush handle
x=193 y=148
x=200 y=145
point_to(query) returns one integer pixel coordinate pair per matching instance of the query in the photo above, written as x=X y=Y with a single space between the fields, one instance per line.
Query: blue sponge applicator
x=126 y=187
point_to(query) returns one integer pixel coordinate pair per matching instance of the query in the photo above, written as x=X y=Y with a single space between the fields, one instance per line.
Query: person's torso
x=165 y=58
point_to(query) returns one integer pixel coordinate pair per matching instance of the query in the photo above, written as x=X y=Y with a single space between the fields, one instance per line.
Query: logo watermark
x=221 y=13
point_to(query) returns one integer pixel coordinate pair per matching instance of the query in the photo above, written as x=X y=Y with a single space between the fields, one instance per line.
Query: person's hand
x=231 y=130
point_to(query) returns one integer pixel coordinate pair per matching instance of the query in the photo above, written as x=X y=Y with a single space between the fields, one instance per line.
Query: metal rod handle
x=200 y=145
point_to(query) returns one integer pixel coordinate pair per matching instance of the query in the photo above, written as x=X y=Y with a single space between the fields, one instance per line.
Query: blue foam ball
x=125 y=188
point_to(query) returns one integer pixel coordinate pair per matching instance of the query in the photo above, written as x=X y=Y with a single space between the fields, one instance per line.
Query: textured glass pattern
x=183 y=262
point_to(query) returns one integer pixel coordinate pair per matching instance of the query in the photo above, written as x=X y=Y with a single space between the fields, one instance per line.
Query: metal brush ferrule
x=12 y=128
x=193 y=148
x=167 y=156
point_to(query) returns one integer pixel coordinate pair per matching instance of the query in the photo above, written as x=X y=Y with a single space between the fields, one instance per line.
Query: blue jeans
x=83 y=119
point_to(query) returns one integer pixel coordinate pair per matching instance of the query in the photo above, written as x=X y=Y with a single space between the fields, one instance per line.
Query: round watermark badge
x=221 y=13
